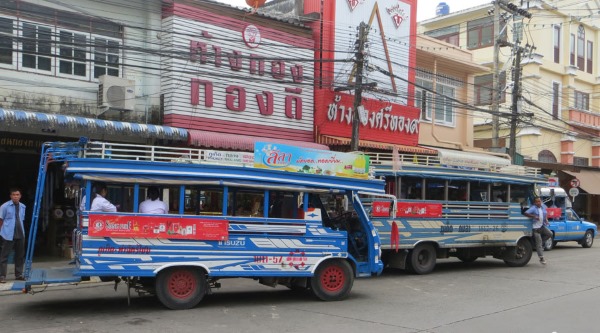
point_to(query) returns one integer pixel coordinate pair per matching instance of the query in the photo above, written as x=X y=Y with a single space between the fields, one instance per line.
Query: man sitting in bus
x=99 y=202
x=153 y=204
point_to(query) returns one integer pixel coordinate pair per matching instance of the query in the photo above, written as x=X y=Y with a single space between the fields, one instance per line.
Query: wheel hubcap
x=182 y=284
x=333 y=279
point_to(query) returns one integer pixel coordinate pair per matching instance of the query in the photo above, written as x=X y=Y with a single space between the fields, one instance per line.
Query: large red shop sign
x=101 y=225
x=379 y=121
x=236 y=95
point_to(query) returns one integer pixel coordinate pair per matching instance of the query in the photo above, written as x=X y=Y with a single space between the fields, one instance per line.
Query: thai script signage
x=321 y=162
x=226 y=80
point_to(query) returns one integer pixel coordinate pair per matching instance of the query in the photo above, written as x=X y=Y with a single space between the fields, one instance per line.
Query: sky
x=425 y=8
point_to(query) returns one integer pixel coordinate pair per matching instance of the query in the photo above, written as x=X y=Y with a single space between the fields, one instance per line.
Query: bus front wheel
x=422 y=259
x=332 y=281
x=180 y=288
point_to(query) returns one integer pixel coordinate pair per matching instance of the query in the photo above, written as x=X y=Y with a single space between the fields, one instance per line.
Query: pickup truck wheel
x=333 y=280
x=180 y=288
x=588 y=239
x=523 y=253
x=549 y=244
x=422 y=259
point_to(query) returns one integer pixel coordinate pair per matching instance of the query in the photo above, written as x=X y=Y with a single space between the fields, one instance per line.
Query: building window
x=581 y=161
x=449 y=34
x=106 y=57
x=555 y=100
x=590 y=57
x=581 y=48
x=483 y=89
x=444 y=104
x=480 y=33
x=439 y=102
x=73 y=51
x=546 y=156
x=582 y=100
x=6 y=41
x=59 y=43
x=425 y=105
x=557 y=44
x=37 y=47
x=572 y=51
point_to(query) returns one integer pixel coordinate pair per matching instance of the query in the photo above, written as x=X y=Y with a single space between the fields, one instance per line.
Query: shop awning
x=589 y=180
x=336 y=140
x=27 y=119
x=199 y=138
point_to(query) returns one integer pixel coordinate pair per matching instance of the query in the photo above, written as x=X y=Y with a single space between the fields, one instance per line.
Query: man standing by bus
x=539 y=217
x=12 y=232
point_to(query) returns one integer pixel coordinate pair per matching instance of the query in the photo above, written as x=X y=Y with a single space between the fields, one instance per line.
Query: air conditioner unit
x=116 y=93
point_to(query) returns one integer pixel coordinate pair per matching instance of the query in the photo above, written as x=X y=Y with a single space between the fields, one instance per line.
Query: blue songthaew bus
x=281 y=216
x=453 y=204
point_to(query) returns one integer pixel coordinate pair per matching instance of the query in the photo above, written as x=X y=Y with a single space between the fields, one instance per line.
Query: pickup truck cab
x=565 y=224
x=570 y=227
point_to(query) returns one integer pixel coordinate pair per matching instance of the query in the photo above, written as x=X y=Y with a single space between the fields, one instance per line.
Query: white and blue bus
x=228 y=215
x=454 y=204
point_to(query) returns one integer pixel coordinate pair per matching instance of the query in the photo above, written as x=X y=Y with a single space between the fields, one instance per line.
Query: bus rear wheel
x=180 y=288
x=332 y=281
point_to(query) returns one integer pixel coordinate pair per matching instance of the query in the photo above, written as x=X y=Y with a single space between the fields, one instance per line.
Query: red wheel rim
x=181 y=284
x=333 y=278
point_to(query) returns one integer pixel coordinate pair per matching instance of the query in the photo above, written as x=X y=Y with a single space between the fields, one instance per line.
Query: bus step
x=51 y=276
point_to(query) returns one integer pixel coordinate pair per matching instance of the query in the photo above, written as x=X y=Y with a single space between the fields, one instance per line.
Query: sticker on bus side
x=407 y=209
x=101 y=225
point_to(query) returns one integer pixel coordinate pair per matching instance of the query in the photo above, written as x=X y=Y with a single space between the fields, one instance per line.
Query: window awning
x=589 y=180
x=199 y=138
x=87 y=126
x=337 y=140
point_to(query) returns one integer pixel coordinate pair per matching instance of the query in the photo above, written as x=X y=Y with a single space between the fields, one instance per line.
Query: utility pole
x=360 y=61
x=496 y=78
x=516 y=94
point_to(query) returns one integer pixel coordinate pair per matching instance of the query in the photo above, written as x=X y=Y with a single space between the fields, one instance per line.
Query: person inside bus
x=99 y=202
x=539 y=217
x=153 y=204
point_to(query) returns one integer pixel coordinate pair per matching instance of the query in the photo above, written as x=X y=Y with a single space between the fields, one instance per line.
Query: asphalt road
x=484 y=296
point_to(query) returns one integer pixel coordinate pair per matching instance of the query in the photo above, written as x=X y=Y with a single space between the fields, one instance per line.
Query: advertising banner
x=101 y=225
x=407 y=209
x=321 y=162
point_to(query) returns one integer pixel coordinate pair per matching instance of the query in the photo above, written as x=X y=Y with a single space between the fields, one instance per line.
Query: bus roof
x=125 y=163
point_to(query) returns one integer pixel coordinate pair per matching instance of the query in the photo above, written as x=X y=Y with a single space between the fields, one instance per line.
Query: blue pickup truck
x=568 y=227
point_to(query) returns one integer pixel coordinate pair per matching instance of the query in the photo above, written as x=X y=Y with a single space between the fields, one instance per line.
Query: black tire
x=549 y=244
x=422 y=258
x=588 y=239
x=333 y=280
x=523 y=252
x=180 y=288
x=467 y=259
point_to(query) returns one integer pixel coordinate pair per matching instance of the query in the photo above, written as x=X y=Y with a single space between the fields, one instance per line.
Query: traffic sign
x=574 y=192
x=575 y=182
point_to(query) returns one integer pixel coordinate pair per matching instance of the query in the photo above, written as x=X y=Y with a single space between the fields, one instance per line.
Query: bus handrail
x=385 y=161
x=150 y=153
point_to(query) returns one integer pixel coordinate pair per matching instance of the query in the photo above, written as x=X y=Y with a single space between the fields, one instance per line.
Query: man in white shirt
x=153 y=205
x=99 y=203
